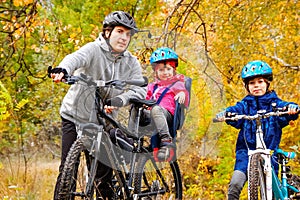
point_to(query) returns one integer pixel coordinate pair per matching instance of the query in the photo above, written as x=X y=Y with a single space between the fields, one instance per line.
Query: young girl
x=167 y=88
x=257 y=76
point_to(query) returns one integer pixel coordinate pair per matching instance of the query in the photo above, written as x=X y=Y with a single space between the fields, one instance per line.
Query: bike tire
x=257 y=182
x=75 y=174
x=157 y=180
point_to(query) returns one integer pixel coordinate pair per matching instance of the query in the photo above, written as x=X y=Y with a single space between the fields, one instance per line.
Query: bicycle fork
x=266 y=156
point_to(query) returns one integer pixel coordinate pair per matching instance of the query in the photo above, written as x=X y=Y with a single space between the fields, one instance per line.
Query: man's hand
x=115 y=101
x=112 y=104
x=57 y=74
x=109 y=109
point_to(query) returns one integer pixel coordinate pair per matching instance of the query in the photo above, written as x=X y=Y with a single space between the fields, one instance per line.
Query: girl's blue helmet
x=163 y=54
x=256 y=68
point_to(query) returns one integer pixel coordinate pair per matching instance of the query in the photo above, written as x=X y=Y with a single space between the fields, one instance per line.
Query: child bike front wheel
x=257 y=181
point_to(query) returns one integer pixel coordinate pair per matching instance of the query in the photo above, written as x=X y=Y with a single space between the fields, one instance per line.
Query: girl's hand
x=180 y=97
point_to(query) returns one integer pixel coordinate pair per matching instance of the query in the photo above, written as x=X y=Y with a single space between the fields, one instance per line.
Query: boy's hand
x=221 y=116
x=292 y=109
x=180 y=97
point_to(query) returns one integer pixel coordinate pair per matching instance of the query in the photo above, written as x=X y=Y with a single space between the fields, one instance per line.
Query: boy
x=257 y=76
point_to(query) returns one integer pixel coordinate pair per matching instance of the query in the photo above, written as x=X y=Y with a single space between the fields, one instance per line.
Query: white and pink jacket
x=156 y=88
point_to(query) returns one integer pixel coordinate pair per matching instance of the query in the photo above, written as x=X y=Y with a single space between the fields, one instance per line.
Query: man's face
x=119 y=38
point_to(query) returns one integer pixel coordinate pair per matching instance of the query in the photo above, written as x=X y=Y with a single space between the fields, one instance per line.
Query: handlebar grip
x=139 y=82
x=215 y=120
x=290 y=155
x=90 y=126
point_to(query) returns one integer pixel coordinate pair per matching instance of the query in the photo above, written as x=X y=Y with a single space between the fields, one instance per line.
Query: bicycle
x=136 y=176
x=263 y=182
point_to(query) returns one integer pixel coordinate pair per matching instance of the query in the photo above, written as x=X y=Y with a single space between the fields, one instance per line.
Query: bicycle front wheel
x=157 y=180
x=75 y=174
x=257 y=181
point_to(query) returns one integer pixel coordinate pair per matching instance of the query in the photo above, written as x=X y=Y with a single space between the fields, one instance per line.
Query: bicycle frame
x=273 y=183
x=100 y=137
x=266 y=155
x=93 y=136
x=280 y=188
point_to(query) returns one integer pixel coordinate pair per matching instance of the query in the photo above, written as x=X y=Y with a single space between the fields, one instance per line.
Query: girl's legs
x=160 y=117
x=236 y=185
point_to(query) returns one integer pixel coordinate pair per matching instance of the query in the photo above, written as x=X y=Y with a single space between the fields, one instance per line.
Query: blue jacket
x=272 y=126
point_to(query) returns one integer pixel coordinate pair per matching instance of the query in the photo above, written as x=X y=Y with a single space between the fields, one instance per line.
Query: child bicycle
x=263 y=182
x=136 y=176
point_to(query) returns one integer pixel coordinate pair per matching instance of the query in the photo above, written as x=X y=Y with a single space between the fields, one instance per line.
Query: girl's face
x=257 y=86
x=164 y=71
x=119 y=38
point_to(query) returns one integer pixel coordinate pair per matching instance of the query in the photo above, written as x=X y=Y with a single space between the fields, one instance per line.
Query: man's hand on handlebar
x=112 y=104
x=57 y=74
x=109 y=109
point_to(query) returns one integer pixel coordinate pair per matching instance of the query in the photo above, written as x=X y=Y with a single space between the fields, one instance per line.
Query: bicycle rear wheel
x=75 y=174
x=257 y=182
x=157 y=180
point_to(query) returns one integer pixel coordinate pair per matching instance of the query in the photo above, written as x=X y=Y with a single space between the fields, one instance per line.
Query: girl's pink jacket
x=168 y=101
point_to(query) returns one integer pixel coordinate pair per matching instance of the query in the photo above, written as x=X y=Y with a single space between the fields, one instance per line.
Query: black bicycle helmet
x=120 y=18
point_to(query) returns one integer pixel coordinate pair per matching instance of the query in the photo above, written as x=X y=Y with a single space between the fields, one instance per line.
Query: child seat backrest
x=180 y=110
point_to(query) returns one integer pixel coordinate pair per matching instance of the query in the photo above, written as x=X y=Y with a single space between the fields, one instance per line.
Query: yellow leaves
x=95 y=32
x=5 y=102
x=21 y=104
x=35 y=48
x=22 y=2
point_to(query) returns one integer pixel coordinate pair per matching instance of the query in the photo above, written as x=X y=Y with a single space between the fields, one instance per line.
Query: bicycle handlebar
x=260 y=114
x=290 y=155
x=100 y=83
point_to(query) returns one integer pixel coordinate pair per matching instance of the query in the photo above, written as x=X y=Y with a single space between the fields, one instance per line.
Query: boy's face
x=257 y=86
x=119 y=38
x=164 y=71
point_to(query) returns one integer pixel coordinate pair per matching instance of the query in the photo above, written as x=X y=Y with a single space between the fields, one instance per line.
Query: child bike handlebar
x=260 y=115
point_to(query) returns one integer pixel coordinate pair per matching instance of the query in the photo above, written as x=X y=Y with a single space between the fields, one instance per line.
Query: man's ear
x=107 y=33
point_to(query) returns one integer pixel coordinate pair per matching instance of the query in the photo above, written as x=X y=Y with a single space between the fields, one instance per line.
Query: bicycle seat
x=142 y=102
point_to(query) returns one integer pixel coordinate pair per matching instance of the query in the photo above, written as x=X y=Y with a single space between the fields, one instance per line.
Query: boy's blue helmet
x=256 y=68
x=163 y=54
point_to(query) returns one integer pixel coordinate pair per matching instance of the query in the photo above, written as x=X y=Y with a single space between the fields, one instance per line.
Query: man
x=104 y=59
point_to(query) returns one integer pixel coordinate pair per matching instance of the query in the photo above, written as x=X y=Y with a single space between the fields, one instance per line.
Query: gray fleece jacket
x=96 y=60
